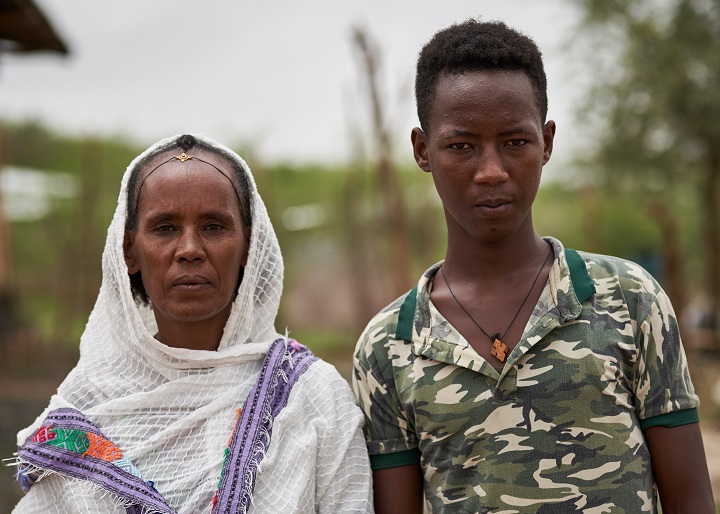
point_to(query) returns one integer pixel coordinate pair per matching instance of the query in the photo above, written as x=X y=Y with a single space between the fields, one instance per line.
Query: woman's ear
x=129 y=252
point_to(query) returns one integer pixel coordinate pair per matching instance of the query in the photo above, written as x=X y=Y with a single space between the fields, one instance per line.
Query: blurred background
x=318 y=97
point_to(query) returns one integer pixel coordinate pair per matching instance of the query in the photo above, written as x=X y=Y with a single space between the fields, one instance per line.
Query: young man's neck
x=492 y=261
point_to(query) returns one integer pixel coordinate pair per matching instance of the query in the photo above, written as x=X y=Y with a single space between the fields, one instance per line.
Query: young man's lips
x=493 y=206
x=492 y=201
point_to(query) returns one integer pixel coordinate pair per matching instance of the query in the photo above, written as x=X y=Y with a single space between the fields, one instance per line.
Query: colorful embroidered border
x=281 y=369
x=69 y=444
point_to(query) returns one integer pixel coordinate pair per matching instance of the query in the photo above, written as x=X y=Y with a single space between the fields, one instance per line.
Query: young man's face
x=485 y=147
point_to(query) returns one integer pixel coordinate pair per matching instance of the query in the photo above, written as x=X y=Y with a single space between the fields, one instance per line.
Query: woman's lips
x=191 y=283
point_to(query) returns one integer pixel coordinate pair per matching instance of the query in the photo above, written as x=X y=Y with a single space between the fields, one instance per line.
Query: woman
x=185 y=398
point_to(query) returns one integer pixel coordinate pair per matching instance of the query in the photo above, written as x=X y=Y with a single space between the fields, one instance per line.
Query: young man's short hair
x=471 y=46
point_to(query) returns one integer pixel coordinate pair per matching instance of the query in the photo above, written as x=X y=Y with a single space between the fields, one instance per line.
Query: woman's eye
x=164 y=228
x=213 y=226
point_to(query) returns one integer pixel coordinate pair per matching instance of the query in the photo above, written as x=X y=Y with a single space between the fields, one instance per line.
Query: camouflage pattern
x=558 y=430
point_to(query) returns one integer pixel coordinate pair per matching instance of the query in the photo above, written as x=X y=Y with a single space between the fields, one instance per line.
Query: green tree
x=656 y=112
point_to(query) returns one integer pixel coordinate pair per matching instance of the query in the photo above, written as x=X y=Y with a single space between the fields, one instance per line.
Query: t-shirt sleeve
x=389 y=432
x=664 y=394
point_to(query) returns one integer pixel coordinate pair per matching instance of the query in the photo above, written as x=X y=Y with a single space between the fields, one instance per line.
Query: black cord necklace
x=499 y=349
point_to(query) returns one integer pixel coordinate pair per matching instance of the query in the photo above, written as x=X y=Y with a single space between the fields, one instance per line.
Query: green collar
x=581 y=282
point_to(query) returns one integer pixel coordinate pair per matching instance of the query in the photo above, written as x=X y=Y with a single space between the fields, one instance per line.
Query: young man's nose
x=489 y=167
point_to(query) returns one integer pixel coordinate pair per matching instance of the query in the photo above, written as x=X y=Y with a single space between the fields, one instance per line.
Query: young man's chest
x=562 y=409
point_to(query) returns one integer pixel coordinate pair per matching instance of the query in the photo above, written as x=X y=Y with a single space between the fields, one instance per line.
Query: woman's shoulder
x=321 y=375
x=323 y=390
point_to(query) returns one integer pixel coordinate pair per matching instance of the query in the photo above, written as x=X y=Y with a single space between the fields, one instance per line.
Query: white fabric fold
x=172 y=410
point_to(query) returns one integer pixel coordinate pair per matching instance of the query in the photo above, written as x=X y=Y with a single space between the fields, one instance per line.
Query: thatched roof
x=23 y=28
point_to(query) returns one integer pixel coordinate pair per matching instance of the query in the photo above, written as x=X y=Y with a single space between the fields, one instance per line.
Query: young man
x=519 y=376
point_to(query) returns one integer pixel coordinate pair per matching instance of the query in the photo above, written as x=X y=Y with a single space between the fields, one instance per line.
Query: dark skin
x=485 y=153
x=680 y=469
x=189 y=243
x=398 y=490
x=485 y=147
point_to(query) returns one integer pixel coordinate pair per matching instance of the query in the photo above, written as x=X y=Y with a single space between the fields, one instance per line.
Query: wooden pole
x=391 y=188
x=4 y=229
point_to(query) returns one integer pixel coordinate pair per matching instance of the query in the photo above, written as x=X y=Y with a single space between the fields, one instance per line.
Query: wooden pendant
x=499 y=349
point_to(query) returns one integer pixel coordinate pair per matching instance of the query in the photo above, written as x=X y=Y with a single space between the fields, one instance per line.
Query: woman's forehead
x=199 y=160
x=195 y=173
x=177 y=155
x=188 y=189
x=179 y=174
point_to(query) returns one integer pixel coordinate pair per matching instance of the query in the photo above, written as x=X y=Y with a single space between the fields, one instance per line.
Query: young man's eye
x=460 y=146
x=516 y=142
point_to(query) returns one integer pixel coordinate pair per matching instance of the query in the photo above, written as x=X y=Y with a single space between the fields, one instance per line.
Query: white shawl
x=172 y=410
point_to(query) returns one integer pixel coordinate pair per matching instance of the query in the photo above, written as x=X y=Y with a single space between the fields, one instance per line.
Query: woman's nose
x=190 y=246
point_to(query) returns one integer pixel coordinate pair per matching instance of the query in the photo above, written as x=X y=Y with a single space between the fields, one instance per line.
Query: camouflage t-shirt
x=560 y=428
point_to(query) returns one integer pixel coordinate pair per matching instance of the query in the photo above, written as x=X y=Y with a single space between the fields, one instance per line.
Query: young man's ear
x=420 y=149
x=548 y=138
x=129 y=252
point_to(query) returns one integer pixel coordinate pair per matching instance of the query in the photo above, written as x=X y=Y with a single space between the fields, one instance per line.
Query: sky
x=281 y=78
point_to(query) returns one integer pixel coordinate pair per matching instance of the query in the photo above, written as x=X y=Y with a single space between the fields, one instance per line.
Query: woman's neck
x=193 y=335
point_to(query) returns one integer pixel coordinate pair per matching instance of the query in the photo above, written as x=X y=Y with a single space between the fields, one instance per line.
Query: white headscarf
x=172 y=410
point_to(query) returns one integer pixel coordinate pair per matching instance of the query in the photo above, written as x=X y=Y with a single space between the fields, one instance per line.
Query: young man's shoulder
x=610 y=263
x=619 y=281
x=383 y=325
x=614 y=271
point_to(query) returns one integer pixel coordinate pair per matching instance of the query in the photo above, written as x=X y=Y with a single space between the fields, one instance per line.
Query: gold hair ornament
x=182 y=158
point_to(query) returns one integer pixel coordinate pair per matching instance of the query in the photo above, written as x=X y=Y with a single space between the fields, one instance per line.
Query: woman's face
x=189 y=242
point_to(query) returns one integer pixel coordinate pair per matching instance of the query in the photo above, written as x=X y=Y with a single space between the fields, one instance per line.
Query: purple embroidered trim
x=302 y=358
x=253 y=431
x=142 y=495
